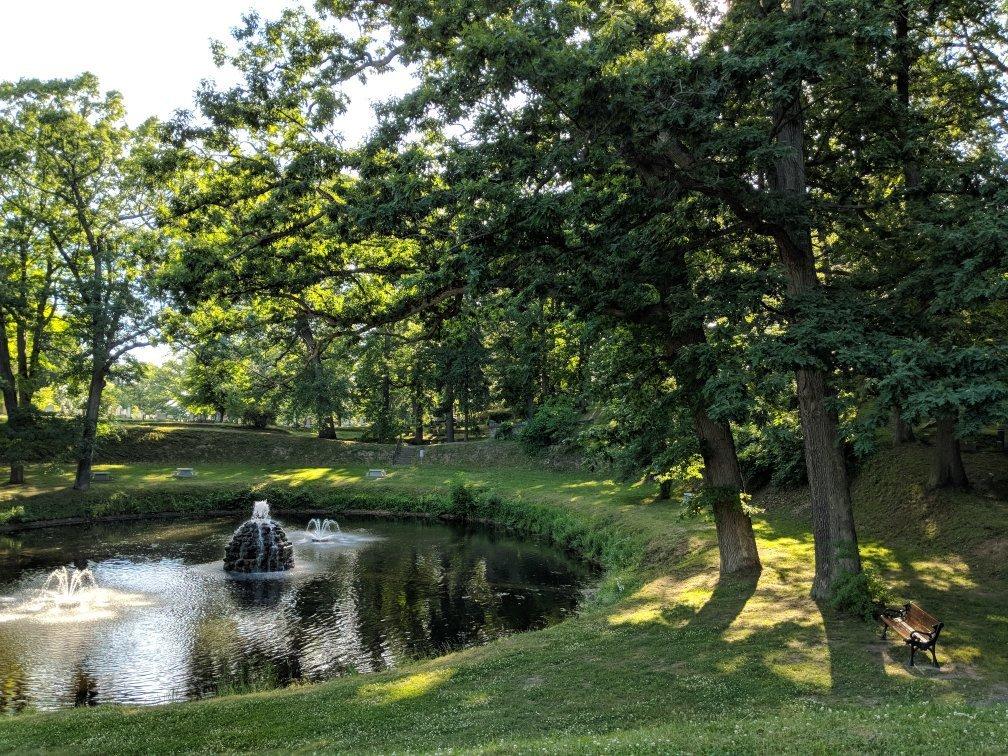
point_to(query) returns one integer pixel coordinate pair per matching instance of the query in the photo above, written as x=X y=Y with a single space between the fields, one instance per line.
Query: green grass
x=667 y=657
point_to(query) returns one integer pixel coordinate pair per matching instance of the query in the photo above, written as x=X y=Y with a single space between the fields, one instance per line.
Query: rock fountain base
x=259 y=545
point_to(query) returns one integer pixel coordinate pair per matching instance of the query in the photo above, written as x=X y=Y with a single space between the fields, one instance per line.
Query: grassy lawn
x=667 y=657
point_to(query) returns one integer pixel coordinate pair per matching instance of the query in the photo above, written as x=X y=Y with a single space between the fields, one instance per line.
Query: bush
x=774 y=453
x=555 y=422
x=859 y=594
x=505 y=430
x=258 y=417
x=463 y=498
x=31 y=436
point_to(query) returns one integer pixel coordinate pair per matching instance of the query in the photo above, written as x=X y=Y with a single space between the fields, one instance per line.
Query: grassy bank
x=187 y=445
x=667 y=657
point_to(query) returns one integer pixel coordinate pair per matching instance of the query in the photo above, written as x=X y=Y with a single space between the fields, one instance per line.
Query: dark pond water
x=167 y=623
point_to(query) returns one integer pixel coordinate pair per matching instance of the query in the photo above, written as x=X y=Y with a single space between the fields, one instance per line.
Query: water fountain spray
x=259 y=544
x=322 y=530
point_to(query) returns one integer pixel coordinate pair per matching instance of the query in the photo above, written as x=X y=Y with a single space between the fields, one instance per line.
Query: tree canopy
x=719 y=246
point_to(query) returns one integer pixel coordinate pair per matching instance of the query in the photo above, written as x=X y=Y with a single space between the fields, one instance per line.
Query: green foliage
x=10 y=515
x=556 y=422
x=153 y=390
x=259 y=417
x=30 y=436
x=505 y=430
x=773 y=453
x=701 y=501
x=463 y=497
x=859 y=595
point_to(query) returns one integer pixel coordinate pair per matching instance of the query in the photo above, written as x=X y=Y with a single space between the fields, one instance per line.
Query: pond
x=164 y=622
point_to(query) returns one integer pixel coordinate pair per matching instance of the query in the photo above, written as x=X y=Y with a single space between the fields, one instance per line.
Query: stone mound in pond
x=259 y=546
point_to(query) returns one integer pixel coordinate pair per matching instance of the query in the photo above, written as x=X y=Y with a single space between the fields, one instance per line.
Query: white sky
x=155 y=53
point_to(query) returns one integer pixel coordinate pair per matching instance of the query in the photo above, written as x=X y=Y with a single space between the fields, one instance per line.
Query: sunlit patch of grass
x=402 y=688
x=945 y=574
x=650 y=612
x=667 y=657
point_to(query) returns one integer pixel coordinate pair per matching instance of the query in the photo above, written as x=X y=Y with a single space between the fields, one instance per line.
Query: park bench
x=917 y=628
x=375 y=474
x=102 y=476
x=184 y=472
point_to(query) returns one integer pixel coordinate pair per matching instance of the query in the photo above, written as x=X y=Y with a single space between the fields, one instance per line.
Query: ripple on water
x=165 y=622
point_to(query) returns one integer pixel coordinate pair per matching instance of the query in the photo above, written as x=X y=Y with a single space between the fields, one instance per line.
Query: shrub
x=463 y=498
x=555 y=422
x=774 y=453
x=259 y=417
x=858 y=594
x=505 y=430
x=30 y=436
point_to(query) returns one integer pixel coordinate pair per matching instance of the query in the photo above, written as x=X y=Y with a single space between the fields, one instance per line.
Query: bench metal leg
x=913 y=650
x=934 y=656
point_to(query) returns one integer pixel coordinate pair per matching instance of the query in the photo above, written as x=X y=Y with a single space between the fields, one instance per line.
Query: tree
x=154 y=390
x=89 y=165
x=29 y=267
x=733 y=147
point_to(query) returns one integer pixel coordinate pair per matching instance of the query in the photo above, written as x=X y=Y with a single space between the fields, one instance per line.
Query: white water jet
x=68 y=586
x=260 y=510
x=322 y=530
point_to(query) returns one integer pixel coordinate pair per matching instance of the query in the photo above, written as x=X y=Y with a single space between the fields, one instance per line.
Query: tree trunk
x=449 y=424
x=326 y=425
x=389 y=433
x=736 y=541
x=665 y=490
x=465 y=414
x=86 y=453
x=10 y=394
x=902 y=431
x=418 y=424
x=947 y=470
x=836 y=550
x=832 y=515
x=323 y=411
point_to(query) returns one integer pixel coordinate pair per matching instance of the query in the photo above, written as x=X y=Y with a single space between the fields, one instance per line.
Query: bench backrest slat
x=919 y=618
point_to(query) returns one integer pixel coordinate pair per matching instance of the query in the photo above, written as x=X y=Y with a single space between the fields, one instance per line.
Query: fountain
x=322 y=530
x=259 y=545
x=68 y=586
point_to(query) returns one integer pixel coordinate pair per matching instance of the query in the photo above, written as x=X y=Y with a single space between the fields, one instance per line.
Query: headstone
x=185 y=472
x=102 y=476
x=375 y=474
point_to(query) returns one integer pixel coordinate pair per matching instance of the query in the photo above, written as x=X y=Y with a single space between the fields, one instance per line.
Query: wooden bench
x=917 y=628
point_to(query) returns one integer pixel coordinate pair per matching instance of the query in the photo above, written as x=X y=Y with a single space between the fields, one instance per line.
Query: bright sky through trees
x=154 y=53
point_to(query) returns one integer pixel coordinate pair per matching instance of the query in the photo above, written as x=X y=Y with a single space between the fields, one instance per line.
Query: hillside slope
x=187 y=444
x=668 y=657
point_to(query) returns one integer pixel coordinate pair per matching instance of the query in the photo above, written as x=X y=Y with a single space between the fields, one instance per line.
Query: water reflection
x=177 y=627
